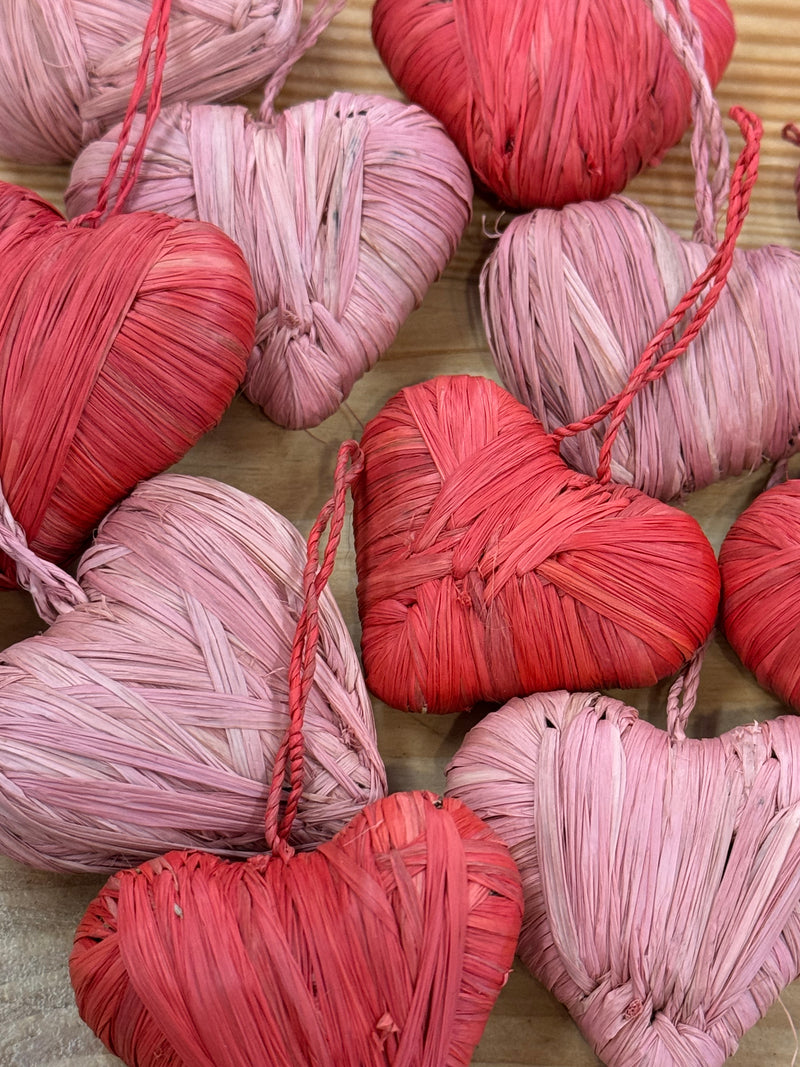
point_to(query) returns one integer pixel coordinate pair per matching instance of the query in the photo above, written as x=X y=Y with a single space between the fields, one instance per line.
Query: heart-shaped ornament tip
x=550 y=101
x=387 y=945
x=347 y=209
x=661 y=875
x=148 y=716
x=119 y=346
x=760 y=567
x=488 y=569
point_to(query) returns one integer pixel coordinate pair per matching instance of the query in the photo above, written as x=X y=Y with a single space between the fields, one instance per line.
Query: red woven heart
x=760 y=567
x=488 y=569
x=661 y=875
x=119 y=347
x=388 y=945
x=549 y=100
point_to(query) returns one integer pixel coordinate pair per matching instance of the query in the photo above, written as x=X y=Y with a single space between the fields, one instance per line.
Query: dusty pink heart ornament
x=387 y=945
x=661 y=874
x=148 y=716
x=346 y=209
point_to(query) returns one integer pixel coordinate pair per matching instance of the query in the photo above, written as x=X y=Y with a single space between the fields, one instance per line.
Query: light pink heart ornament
x=661 y=874
x=147 y=717
x=346 y=209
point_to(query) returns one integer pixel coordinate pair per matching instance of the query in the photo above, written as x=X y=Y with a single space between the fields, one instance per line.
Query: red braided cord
x=742 y=181
x=304 y=651
x=157 y=29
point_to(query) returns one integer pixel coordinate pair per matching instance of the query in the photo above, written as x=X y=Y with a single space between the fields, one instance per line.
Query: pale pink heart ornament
x=147 y=717
x=661 y=874
x=346 y=209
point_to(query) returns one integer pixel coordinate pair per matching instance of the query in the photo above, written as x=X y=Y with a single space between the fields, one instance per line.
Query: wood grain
x=39 y=1026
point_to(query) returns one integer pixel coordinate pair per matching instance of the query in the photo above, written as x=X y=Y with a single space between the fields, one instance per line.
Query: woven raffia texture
x=661 y=875
x=551 y=100
x=387 y=945
x=346 y=210
x=760 y=567
x=119 y=347
x=488 y=569
x=563 y=340
x=67 y=66
x=149 y=717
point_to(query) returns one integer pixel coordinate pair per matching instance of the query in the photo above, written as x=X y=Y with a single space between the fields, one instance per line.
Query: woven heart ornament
x=387 y=945
x=346 y=209
x=120 y=344
x=487 y=568
x=550 y=101
x=760 y=568
x=67 y=68
x=661 y=875
x=148 y=716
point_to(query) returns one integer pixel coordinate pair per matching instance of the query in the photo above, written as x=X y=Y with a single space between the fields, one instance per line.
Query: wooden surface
x=39 y=1026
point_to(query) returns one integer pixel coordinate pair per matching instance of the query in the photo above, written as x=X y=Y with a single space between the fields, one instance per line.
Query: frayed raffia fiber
x=148 y=717
x=760 y=567
x=386 y=946
x=346 y=210
x=661 y=875
x=549 y=100
x=120 y=343
x=488 y=569
x=67 y=66
x=563 y=338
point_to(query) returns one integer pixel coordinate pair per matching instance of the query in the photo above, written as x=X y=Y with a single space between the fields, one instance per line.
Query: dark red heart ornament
x=386 y=946
x=119 y=347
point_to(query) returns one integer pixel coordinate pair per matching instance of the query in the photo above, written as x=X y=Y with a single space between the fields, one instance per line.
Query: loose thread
x=682 y=695
x=157 y=30
x=302 y=663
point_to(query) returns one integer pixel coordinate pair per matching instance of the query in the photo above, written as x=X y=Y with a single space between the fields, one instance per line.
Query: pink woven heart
x=386 y=946
x=346 y=210
x=661 y=875
x=149 y=714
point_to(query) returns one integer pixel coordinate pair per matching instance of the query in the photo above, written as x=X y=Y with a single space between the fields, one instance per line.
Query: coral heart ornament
x=388 y=945
x=563 y=338
x=661 y=874
x=120 y=344
x=149 y=714
x=487 y=568
x=760 y=567
x=347 y=209
x=549 y=101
